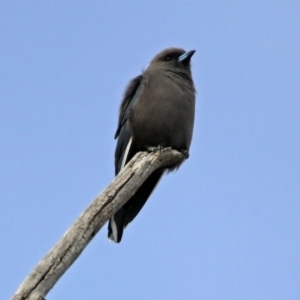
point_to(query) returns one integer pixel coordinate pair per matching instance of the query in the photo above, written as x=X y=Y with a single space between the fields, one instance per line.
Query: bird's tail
x=130 y=210
x=116 y=225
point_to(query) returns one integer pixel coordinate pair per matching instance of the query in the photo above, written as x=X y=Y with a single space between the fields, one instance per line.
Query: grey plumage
x=157 y=111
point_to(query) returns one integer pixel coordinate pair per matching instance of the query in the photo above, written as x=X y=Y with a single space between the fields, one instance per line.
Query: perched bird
x=157 y=111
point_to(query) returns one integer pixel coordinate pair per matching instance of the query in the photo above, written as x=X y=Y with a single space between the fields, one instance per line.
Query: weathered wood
x=48 y=271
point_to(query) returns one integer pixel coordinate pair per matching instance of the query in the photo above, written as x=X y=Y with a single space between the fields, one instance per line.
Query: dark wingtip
x=116 y=226
x=111 y=236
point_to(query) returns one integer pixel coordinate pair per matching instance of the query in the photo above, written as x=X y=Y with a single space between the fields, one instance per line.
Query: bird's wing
x=131 y=93
x=124 y=151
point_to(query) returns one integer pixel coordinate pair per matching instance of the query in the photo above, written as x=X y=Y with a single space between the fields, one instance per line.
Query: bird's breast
x=164 y=113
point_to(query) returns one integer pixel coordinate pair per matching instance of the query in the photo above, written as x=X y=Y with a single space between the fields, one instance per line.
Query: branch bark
x=48 y=271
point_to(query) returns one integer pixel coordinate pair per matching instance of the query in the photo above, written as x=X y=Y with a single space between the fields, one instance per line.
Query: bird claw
x=185 y=153
x=155 y=149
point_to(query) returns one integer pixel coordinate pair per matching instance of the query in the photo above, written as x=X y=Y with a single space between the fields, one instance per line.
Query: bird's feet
x=155 y=148
x=185 y=153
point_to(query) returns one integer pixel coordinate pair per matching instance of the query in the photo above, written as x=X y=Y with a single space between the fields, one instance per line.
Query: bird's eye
x=168 y=57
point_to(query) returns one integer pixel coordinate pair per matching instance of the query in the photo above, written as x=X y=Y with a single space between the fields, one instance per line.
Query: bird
x=157 y=111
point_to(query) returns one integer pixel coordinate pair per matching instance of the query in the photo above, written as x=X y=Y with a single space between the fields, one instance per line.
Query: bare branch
x=48 y=271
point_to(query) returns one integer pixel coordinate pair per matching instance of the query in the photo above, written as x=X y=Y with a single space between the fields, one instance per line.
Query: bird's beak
x=185 y=57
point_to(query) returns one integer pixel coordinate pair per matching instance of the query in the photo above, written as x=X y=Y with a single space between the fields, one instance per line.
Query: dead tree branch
x=48 y=271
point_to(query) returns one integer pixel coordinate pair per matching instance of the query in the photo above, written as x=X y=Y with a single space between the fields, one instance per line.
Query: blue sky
x=227 y=224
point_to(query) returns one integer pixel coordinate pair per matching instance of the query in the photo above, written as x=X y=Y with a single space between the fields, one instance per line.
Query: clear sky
x=227 y=224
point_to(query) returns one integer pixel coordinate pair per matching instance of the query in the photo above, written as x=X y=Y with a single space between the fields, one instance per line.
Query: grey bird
x=157 y=111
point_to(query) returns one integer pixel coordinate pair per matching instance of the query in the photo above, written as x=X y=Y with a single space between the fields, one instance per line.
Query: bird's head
x=175 y=59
